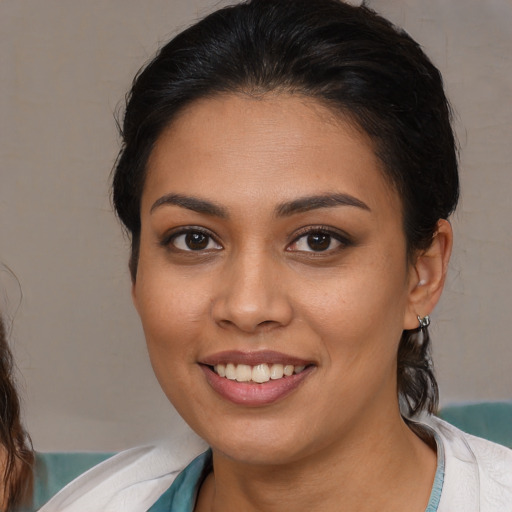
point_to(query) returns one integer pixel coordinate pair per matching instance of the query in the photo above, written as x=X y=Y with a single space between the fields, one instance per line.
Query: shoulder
x=478 y=473
x=130 y=481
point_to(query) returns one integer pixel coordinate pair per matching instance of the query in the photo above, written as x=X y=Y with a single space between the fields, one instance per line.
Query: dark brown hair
x=347 y=57
x=16 y=450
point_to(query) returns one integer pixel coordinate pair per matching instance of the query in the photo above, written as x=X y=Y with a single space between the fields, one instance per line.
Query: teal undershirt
x=181 y=496
x=437 y=487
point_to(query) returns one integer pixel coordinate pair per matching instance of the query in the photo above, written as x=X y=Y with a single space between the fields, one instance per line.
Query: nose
x=251 y=296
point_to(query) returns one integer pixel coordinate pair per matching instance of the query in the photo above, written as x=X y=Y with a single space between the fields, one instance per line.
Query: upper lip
x=253 y=358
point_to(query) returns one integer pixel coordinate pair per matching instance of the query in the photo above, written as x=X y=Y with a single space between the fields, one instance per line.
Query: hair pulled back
x=349 y=58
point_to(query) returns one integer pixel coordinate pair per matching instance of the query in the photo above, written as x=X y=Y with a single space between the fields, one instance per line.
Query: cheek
x=173 y=320
x=352 y=310
x=172 y=311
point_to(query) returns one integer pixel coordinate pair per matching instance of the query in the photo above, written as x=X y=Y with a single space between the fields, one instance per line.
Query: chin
x=260 y=443
x=255 y=452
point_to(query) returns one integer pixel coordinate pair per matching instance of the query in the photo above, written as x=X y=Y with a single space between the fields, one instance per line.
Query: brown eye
x=194 y=241
x=319 y=241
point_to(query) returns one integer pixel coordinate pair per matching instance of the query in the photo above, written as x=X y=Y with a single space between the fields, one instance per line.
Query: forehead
x=251 y=148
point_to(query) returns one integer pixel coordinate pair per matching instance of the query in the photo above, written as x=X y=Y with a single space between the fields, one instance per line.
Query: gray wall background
x=65 y=66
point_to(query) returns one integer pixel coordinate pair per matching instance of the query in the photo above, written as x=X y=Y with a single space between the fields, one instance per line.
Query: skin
x=338 y=437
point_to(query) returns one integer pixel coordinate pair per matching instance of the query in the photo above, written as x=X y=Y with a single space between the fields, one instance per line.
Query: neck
x=387 y=468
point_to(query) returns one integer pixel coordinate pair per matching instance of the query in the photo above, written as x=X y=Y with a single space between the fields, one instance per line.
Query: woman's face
x=273 y=283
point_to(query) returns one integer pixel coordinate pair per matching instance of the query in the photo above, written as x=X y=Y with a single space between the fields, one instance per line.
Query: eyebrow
x=306 y=204
x=301 y=205
x=191 y=203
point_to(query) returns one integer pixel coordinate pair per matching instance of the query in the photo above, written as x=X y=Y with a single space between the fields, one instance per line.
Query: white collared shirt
x=477 y=476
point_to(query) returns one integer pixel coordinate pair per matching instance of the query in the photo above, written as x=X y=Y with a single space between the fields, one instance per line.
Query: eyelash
x=343 y=239
x=169 y=239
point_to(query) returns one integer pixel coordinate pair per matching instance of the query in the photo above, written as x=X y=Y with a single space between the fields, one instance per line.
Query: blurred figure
x=16 y=456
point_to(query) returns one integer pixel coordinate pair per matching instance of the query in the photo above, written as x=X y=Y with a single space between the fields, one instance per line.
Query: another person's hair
x=15 y=448
x=353 y=61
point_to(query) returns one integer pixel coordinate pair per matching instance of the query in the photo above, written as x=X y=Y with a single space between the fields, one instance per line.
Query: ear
x=427 y=275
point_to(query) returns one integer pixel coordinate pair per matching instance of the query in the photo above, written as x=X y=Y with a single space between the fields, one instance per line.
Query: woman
x=287 y=171
x=16 y=455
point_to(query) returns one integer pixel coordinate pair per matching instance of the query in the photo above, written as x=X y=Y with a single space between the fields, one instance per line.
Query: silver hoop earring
x=423 y=321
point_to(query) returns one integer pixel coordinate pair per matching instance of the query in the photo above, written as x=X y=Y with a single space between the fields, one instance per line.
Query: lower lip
x=254 y=394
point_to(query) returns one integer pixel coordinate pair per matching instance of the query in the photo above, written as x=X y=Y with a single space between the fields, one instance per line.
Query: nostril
x=270 y=324
x=225 y=323
x=263 y=326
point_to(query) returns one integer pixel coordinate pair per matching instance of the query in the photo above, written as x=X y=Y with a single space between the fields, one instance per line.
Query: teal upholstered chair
x=55 y=470
x=490 y=420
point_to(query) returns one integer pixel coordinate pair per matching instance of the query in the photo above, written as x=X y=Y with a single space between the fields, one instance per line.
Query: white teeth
x=243 y=373
x=288 y=370
x=230 y=371
x=260 y=373
x=221 y=370
x=276 y=371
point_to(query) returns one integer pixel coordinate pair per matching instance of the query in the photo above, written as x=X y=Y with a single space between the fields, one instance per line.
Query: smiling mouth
x=259 y=373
